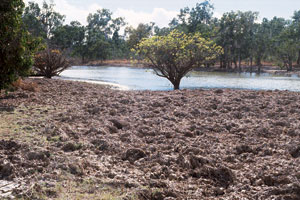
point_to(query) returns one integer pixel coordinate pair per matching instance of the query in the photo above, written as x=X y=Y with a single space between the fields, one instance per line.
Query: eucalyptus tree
x=262 y=42
x=236 y=36
x=296 y=25
x=135 y=35
x=69 y=36
x=102 y=32
x=42 y=22
x=287 y=46
x=196 y=19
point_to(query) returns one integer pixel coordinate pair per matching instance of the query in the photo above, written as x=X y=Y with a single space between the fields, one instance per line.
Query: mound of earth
x=72 y=140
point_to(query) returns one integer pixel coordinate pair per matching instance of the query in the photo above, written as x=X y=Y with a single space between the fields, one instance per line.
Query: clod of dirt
x=219 y=91
x=94 y=111
x=274 y=180
x=75 y=169
x=38 y=155
x=133 y=155
x=222 y=176
x=9 y=145
x=290 y=192
x=69 y=147
x=118 y=123
x=243 y=149
x=113 y=129
x=6 y=169
x=197 y=162
x=7 y=109
x=100 y=144
x=295 y=151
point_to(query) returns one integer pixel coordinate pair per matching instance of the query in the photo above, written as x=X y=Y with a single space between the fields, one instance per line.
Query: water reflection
x=145 y=79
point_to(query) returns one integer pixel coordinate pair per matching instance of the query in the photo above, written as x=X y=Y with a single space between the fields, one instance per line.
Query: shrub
x=16 y=45
x=50 y=63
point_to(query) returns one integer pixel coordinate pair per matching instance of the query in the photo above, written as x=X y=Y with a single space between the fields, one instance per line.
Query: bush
x=50 y=63
x=16 y=45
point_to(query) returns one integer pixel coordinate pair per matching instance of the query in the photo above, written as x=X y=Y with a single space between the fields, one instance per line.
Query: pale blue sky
x=162 y=11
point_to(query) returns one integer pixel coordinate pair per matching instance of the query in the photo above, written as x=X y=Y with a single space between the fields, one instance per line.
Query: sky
x=163 y=11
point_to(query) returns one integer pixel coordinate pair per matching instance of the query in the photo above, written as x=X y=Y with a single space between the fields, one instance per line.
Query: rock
x=134 y=154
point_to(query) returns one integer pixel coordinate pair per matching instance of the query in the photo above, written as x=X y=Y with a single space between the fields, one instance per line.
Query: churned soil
x=162 y=145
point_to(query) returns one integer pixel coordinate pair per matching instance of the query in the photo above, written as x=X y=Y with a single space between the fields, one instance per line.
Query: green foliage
x=68 y=36
x=17 y=46
x=139 y=33
x=176 y=54
x=287 y=46
x=50 y=63
x=102 y=35
x=236 y=36
x=42 y=22
x=197 y=19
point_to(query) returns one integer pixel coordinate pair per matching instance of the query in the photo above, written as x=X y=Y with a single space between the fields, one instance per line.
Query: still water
x=145 y=79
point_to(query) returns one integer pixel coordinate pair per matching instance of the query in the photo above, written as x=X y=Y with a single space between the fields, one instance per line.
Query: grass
x=69 y=189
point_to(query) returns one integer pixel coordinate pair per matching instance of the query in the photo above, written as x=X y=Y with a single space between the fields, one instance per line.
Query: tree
x=236 y=36
x=43 y=21
x=176 y=54
x=287 y=46
x=261 y=42
x=68 y=37
x=197 y=19
x=135 y=35
x=296 y=25
x=102 y=34
x=17 y=46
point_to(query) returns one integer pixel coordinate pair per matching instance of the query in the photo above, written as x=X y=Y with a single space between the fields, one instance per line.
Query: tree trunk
x=235 y=64
x=82 y=60
x=176 y=85
x=290 y=65
x=259 y=69
x=298 y=61
x=240 y=63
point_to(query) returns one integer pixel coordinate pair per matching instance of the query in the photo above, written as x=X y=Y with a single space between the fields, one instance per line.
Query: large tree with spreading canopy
x=174 y=55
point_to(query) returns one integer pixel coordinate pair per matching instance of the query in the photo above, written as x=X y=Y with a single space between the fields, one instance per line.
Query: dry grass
x=27 y=86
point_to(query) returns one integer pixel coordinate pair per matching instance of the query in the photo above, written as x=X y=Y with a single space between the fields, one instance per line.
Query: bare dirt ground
x=72 y=140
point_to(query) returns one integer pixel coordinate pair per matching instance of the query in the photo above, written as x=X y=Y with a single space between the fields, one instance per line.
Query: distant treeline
x=242 y=36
